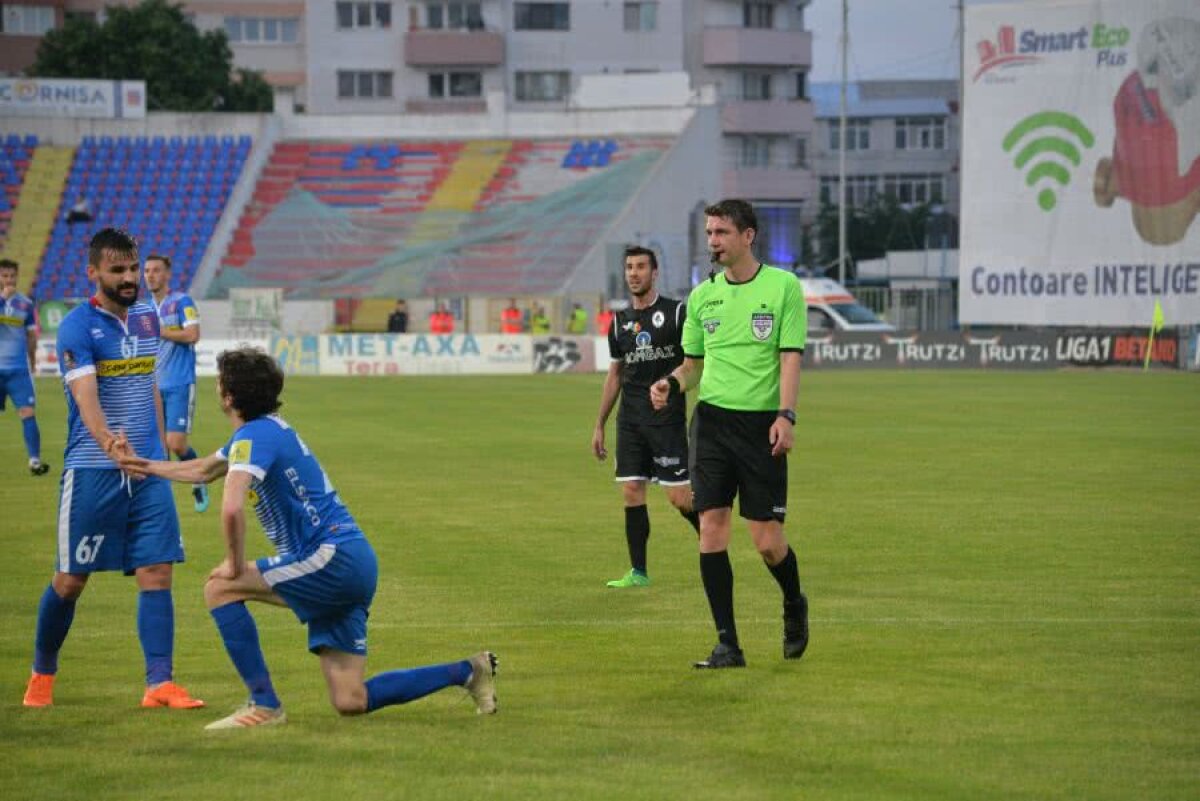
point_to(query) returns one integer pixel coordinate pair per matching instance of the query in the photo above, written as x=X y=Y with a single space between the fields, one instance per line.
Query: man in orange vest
x=441 y=321
x=604 y=319
x=512 y=321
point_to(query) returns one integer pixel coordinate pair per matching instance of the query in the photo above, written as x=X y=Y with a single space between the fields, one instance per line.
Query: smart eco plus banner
x=1081 y=163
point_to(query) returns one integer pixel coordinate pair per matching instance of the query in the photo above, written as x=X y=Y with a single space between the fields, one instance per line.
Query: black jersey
x=646 y=341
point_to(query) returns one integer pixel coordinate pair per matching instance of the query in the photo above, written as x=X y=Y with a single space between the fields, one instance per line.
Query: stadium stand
x=423 y=218
x=33 y=178
x=168 y=192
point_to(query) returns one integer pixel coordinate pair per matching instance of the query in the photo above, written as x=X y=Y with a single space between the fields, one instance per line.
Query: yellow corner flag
x=1155 y=327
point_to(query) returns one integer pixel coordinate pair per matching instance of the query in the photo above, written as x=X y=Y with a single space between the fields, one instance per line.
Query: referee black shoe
x=795 y=628
x=722 y=656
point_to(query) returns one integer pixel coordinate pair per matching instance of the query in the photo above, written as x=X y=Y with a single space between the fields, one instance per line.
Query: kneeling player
x=325 y=570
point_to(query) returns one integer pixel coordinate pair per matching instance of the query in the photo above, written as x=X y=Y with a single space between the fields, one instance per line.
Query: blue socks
x=33 y=437
x=190 y=454
x=241 y=643
x=53 y=623
x=156 y=631
x=402 y=686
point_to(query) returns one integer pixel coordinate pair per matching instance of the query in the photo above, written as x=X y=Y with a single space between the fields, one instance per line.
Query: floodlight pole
x=842 y=147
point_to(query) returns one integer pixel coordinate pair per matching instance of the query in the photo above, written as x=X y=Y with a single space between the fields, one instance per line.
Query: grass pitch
x=1001 y=566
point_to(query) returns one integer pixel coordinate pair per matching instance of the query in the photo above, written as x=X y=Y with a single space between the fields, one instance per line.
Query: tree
x=184 y=69
x=872 y=230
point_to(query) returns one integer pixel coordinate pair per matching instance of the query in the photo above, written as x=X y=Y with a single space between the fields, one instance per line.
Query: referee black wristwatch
x=787 y=414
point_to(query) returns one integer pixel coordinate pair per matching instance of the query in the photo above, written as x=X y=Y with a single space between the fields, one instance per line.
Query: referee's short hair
x=739 y=212
x=638 y=250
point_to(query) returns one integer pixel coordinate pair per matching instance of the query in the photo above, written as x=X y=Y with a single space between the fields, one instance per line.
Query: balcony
x=453 y=48
x=767 y=117
x=454 y=105
x=769 y=183
x=757 y=47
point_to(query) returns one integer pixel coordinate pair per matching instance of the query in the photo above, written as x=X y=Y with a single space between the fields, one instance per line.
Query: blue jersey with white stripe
x=16 y=319
x=292 y=496
x=121 y=354
x=176 y=361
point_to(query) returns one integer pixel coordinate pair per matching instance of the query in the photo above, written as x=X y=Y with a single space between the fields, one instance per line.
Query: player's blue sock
x=189 y=454
x=33 y=437
x=402 y=686
x=241 y=643
x=54 y=621
x=156 y=631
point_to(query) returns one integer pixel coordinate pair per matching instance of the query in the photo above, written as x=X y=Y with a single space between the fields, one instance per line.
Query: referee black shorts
x=731 y=456
x=653 y=453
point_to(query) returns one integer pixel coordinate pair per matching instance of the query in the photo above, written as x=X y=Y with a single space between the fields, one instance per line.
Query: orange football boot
x=171 y=695
x=40 y=690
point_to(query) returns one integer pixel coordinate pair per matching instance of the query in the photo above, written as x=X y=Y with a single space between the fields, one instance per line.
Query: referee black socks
x=787 y=575
x=692 y=517
x=637 y=532
x=717 y=575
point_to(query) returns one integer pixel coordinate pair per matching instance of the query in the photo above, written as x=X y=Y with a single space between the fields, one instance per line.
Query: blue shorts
x=331 y=590
x=18 y=385
x=179 y=407
x=109 y=522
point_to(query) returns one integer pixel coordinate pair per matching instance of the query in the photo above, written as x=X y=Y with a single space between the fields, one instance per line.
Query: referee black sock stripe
x=717 y=575
x=637 y=532
x=787 y=575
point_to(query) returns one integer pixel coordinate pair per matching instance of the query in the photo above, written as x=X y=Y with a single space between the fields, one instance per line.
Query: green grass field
x=1002 y=569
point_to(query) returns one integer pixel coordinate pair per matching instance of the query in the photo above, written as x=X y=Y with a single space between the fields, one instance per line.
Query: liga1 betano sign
x=70 y=97
x=1081 y=163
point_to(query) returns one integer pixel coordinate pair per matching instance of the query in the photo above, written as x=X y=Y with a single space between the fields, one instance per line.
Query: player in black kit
x=651 y=445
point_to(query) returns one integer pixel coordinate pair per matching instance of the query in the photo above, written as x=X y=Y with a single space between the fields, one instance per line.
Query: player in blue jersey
x=18 y=355
x=179 y=329
x=324 y=569
x=106 y=349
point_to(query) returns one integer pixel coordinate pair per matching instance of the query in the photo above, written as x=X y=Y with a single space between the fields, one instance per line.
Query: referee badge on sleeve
x=762 y=324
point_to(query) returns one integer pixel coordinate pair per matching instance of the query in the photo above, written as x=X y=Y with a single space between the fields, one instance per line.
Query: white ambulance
x=831 y=307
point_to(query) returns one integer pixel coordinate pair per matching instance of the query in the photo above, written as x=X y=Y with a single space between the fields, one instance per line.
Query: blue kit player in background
x=179 y=330
x=324 y=571
x=18 y=354
x=107 y=349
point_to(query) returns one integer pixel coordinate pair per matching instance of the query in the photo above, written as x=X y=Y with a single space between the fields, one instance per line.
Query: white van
x=831 y=307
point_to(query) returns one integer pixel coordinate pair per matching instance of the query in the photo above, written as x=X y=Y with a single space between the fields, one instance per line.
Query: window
x=756 y=86
x=364 y=84
x=455 y=84
x=454 y=16
x=542 y=86
x=921 y=133
x=270 y=30
x=542 y=16
x=801 y=86
x=800 y=153
x=364 y=15
x=915 y=188
x=27 y=20
x=758 y=14
x=641 y=16
x=858 y=135
x=755 y=151
x=860 y=189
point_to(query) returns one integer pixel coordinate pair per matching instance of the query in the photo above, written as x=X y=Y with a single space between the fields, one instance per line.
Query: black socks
x=694 y=519
x=787 y=575
x=637 y=532
x=717 y=574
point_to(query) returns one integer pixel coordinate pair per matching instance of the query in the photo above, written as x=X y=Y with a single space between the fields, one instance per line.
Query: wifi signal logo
x=1042 y=136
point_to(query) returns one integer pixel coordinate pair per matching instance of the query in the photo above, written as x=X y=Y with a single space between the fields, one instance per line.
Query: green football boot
x=633 y=578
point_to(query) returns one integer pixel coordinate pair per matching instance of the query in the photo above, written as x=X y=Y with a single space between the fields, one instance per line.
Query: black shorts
x=731 y=456
x=653 y=453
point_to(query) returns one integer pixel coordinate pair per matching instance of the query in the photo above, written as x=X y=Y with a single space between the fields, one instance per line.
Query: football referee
x=742 y=342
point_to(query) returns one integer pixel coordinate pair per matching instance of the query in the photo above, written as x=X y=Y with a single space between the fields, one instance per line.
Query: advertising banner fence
x=425 y=354
x=1081 y=163
x=70 y=97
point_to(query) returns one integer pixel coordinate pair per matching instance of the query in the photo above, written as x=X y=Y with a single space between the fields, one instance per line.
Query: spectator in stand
x=398 y=319
x=539 y=321
x=441 y=321
x=80 y=212
x=604 y=319
x=512 y=319
x=578 y=321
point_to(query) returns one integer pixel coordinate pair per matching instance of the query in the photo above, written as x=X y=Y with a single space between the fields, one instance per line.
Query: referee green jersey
x=739 y=329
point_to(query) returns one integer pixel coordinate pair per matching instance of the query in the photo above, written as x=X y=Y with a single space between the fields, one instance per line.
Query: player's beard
x=114 y=294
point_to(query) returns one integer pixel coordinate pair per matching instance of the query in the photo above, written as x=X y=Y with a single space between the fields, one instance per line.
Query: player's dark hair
x=253 y=381
x=166 y=260
x=738 y=212
x=8 y=264
x=113 y=239
x=638 y=250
